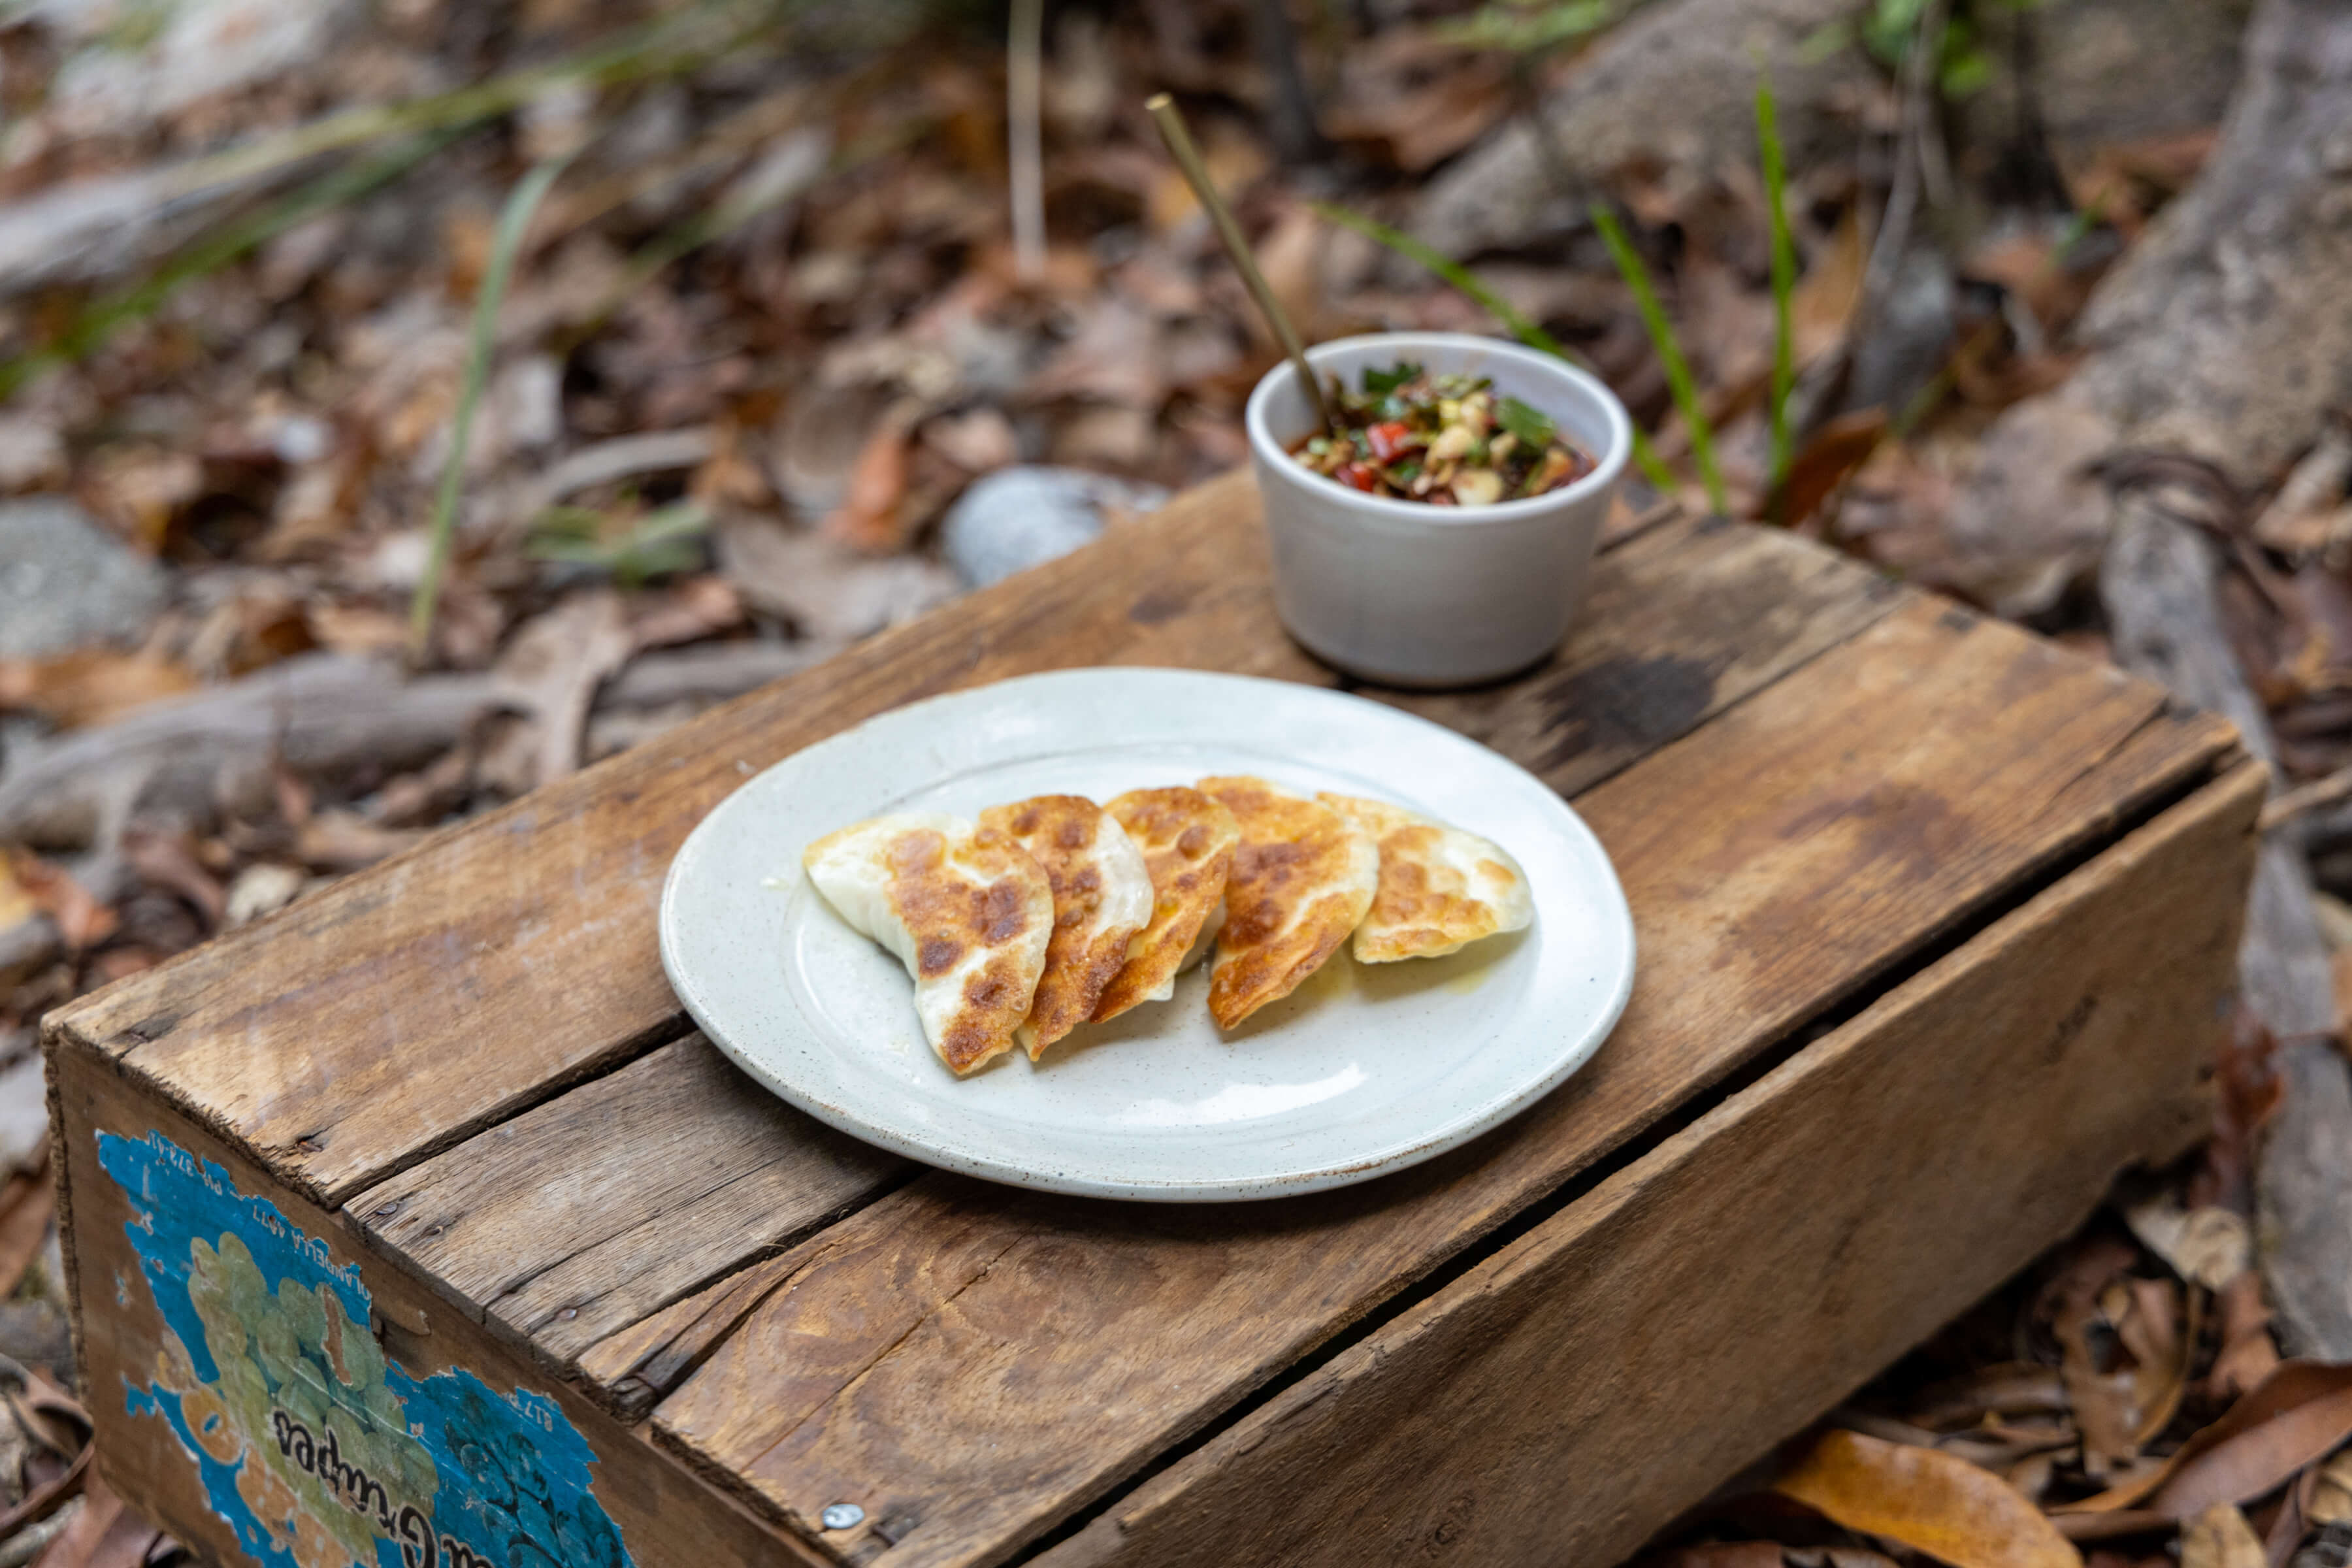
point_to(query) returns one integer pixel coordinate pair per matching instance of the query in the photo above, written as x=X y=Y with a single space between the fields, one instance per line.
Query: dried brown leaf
x=81 y=918
x=91 y=687
x=869 y=516
x=1414 y=99
x=1836 y=450
x=1722 y=1555
x=1821 y=305
x=1928 y=1500
x=2127 y=182
x=17 y=904
x=26 y=1206
x=2081 y=1303
x=2220 y=1538
x=362 y=630
x=340 y=840
x=2331 y=1499
x=2210 y=1245
x=2246 y=1074
x=2010 y=1388
x=2302 y=1411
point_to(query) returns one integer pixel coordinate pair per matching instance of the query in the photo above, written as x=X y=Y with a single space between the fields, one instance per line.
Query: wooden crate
x=413 y=1224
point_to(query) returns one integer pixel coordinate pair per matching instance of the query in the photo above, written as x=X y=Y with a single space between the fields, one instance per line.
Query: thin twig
x=1170 y=121
x=1024 y=115
x=512 y=222
x=2304 y=799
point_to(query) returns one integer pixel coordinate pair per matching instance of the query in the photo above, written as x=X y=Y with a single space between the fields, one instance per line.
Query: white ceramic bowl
x=1411 y=594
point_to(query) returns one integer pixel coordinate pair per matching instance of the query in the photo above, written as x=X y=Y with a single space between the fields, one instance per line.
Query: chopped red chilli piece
x=1390 y=439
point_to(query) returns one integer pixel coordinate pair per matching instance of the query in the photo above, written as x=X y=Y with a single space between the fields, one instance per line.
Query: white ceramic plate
x=1366 y=1068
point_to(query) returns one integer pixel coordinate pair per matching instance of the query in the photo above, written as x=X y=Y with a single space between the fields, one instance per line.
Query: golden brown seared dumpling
x=1440 y=888
x=1302 y=879
x=967 y=910
x=1188 y=842
x=1102 y=897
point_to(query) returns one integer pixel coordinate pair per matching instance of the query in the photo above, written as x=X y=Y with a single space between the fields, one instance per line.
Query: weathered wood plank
x=666 y=1516
x=1684 y=621
x=585 y=1214
x=1568 y=1396
x=922 y=1358
x=456 y=985
x=1726 y=609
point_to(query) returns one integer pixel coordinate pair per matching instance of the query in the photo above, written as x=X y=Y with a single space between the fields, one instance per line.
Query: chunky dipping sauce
x=1444 y=439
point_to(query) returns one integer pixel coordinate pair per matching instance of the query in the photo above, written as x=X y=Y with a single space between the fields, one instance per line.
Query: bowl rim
x=1609 y=464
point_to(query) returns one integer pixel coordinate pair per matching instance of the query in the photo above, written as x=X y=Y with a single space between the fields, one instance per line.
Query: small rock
x=263 y=887
x=1016 y=517
x=23 y=1116
x=32 y=453
x=66 y=583
x=28 y=946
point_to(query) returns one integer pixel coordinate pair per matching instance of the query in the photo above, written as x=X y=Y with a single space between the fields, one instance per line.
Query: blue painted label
x=317 y=1451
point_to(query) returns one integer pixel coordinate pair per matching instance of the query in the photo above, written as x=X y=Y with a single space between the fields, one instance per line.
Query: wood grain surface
x=1567 y=1397
x=587 y=1213
x=1711 y=612
x=921 y=1358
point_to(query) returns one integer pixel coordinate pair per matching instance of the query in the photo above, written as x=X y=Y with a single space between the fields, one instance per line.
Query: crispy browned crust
x=1299 y=885
x=1424 y=904
x=1059 y=832
x=1188 y=842
x=948 y=914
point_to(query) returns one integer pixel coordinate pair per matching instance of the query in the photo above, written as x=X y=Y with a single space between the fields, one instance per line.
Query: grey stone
x=23 y=1116
x=1016 y=517
x=66 y=583
x=30 y=944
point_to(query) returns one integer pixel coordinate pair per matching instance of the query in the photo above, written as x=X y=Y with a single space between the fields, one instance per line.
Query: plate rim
x=1324 y=1175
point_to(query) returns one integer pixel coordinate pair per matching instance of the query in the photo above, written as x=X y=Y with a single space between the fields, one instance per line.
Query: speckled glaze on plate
x=1366 y=1069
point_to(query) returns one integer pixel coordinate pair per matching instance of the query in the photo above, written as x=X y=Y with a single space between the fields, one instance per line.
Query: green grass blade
x=1515 y=321
x=1784 y=276
x=1670 y=352
x=512 y=223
